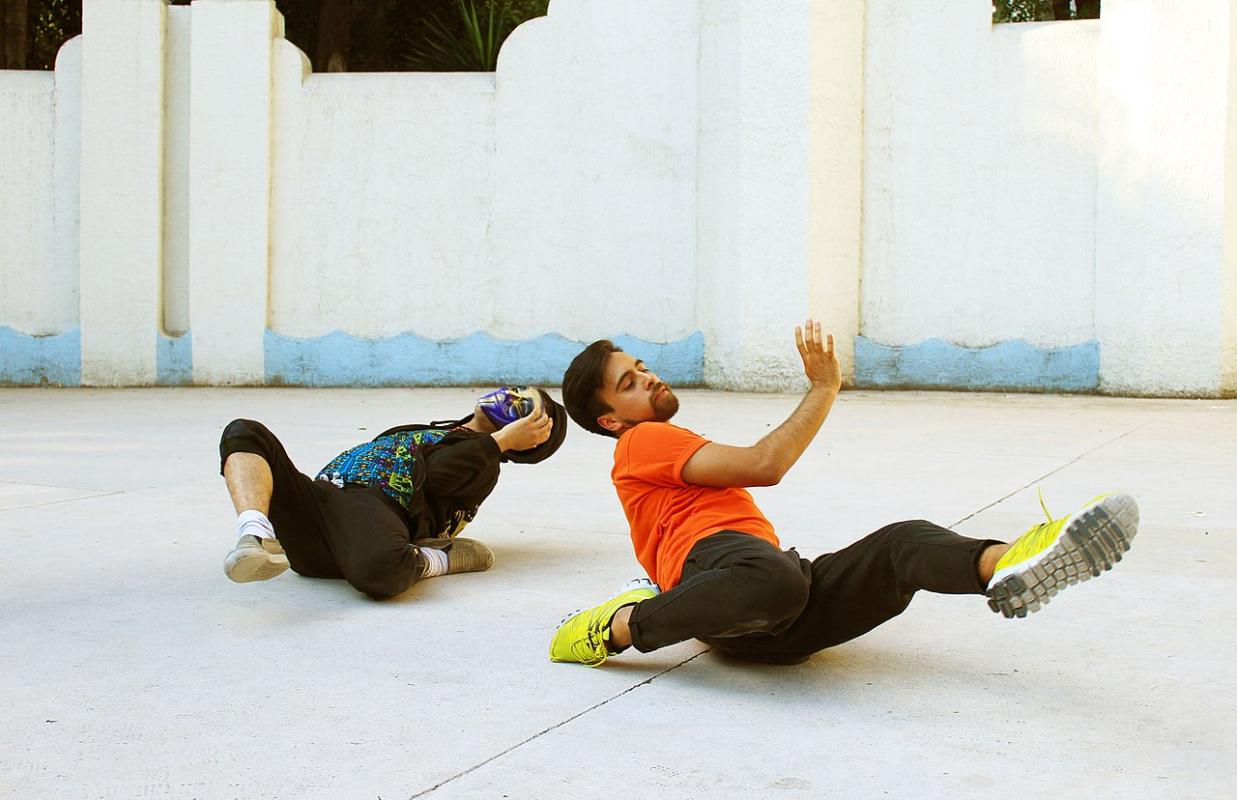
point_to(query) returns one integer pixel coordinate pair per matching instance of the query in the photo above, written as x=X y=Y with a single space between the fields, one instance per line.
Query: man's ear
x=610 y=423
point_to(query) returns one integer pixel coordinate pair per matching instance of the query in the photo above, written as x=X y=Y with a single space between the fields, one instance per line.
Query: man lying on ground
x=725 y=579
x=384 y=514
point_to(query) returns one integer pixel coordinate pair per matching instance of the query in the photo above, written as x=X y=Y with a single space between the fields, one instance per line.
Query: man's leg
x=276 y=508
x=249 y=482
x=873 y=580
x=369 y=536
x=370 y=541
x=869 y=583
x=734 y=584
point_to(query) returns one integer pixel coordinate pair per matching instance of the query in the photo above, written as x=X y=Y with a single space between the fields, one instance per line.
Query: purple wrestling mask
x=506 y=404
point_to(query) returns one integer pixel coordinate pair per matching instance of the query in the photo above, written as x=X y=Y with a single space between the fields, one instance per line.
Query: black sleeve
x=464 y=467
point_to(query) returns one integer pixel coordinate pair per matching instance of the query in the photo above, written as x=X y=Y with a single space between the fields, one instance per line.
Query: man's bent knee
x=244 y=436
x=385 y=574
x=777 y=594
x=243 y=429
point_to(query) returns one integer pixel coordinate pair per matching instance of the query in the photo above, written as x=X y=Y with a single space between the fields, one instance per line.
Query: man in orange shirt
x=724 y=578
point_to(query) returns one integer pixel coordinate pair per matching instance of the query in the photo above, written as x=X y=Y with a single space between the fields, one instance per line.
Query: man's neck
x=480 y=423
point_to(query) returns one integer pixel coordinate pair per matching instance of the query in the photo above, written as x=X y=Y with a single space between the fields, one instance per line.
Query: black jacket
x=459 y=473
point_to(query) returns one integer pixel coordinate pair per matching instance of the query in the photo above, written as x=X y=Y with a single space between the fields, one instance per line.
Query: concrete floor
x=130 y=667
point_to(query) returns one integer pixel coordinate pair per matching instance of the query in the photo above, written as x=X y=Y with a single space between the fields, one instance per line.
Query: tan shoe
x=255 y=559
x=463 y=555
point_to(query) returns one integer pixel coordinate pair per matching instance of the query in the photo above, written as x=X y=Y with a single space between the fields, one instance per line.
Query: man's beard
x=665 y=405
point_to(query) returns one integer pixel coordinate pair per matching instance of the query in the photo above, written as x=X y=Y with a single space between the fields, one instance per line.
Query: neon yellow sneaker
x=582 y=636
x=1061 y=552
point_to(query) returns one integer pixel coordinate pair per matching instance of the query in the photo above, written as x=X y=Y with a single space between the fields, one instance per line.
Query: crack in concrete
x=62 y=500
x=555 y=726
x=1052 y=472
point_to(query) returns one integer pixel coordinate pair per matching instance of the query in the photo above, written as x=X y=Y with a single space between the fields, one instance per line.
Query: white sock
x=435 y=562
x=254 y=523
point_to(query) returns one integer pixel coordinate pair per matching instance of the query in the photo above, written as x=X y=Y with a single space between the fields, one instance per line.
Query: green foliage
x=52 y=23
x=382 y=35
x=467 y=40
x=1043 y=10
x=1022 y=10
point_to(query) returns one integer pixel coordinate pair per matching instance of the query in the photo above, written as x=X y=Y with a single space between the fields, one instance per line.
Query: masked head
x=507 y=404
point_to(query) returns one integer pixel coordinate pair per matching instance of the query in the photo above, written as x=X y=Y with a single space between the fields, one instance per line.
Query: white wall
x=176 y=171
x=230 y=158
x=835 y=169
x=595 y=194
x=697 y=174
x=753 y=190
x=63 y=281
x=979 y=176
x=29 y=301
x=381 y=193
x=1164 y=158
x=121 y=256
x=40 y=135
x=444 y=204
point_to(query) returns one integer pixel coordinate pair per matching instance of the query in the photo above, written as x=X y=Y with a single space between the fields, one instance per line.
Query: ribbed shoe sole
x=254 y=563
x=1091 y=543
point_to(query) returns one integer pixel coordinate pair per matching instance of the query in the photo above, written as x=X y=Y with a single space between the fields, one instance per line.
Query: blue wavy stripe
x=36 y=360
x=174 y=360
x=1012 y=365
x=340 y=359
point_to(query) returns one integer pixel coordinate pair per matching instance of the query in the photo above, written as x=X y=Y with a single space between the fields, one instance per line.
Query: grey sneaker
x=1058 y=553
x=463 y=555
x=255 y=559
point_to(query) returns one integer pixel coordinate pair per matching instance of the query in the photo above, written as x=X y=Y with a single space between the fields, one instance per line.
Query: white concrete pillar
x=835 y=172
x=753 y=190
x=230 y=179
x=1161 y=266
x=1228 y=327
x=66 y=271
x=121 y=189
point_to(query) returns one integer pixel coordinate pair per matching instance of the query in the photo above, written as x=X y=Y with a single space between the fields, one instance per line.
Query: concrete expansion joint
x=1052 y=472
x=646 y=682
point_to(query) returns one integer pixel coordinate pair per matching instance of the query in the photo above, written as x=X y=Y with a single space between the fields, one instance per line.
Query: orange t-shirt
x=666 y=514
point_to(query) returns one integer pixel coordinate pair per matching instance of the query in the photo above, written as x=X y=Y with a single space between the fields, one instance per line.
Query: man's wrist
x=500 y=439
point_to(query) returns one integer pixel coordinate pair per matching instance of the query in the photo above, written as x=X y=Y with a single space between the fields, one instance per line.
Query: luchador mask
x=506 y=404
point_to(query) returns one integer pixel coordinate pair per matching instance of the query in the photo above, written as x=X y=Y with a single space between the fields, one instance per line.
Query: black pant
x=355 y=533
x=748 y=599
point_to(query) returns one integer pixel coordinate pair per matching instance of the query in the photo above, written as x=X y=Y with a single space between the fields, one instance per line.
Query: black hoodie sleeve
x=466 y=467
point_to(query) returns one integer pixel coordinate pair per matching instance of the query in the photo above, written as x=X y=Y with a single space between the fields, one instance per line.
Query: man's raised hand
x=819 y=363
x=525 y=433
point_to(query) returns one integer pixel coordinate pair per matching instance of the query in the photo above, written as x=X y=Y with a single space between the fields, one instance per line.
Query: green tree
x=14 y=38
x=1043 y=10
x=353 y=35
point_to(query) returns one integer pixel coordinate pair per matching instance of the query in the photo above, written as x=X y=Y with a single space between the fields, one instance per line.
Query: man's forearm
x=781 y=448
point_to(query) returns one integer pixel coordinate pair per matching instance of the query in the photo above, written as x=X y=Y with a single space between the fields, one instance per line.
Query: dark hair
x=582 y=386
x=557 y=433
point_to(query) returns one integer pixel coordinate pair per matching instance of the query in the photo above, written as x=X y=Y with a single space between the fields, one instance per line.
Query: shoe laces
x=1037 y=536
x=1043 y=505
x=596 y=635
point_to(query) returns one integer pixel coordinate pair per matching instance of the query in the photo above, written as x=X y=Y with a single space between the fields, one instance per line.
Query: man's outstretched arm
x=767 y=461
